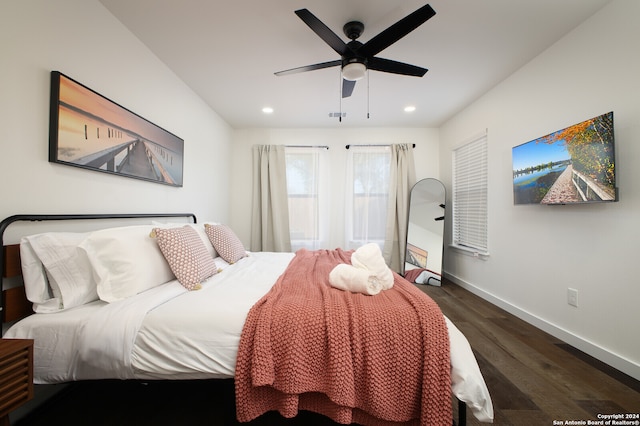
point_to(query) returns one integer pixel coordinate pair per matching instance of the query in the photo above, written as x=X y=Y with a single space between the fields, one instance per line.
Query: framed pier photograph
x=89 y=131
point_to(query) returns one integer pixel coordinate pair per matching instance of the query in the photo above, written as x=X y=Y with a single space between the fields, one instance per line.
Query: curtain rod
x=307 y=146
x=348 y=146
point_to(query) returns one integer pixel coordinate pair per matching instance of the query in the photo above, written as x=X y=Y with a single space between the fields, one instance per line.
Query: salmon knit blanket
x=372 y=360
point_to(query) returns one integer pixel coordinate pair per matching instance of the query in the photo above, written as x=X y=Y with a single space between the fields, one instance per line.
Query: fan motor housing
x=353 y=29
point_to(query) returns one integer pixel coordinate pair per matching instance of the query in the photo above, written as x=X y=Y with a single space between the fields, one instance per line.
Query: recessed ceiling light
x=267 y=110
x=409 y=108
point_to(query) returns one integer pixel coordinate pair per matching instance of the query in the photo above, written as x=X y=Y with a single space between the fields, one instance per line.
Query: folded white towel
x=349 y=278
x=369 y=257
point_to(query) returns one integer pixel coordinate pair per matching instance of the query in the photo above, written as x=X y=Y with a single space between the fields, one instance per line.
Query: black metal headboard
x=57 y=217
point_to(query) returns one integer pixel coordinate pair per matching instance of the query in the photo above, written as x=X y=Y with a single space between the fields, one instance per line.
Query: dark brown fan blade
x=310 y=67
x=387 y=65
x=396 y=31
x=347 y=87
x=323 y=31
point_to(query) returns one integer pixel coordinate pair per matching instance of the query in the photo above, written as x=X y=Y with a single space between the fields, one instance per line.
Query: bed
x=148 y=314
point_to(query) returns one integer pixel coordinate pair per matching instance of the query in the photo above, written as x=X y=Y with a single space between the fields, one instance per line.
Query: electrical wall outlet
x=572 y=297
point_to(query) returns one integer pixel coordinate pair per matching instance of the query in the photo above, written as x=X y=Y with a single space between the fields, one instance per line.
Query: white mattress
x=170 y=333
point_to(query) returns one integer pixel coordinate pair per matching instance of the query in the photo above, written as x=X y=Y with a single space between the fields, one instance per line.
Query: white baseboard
x=624 y=365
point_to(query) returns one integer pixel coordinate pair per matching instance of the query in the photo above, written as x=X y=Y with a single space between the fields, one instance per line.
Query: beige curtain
x=270 y=210
x=402 y=178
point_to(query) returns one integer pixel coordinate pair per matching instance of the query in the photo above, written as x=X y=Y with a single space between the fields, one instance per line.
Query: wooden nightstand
x=16 y=375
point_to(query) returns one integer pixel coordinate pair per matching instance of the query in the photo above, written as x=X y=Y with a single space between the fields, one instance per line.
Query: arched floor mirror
x=425 y=232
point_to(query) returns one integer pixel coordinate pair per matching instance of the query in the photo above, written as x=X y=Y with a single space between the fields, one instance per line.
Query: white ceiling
x=227 y=52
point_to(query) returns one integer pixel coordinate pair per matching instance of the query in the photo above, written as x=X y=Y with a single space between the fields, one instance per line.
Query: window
x=308 y=199
x=470 y=183
x=368 y=171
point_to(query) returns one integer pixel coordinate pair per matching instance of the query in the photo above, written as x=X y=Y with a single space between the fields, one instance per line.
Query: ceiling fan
x=355 y=57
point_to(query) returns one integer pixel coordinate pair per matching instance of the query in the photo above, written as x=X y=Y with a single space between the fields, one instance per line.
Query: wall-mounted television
x=574 y=165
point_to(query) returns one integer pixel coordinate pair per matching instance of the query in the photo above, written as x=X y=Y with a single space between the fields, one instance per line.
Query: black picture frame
x=89 y=131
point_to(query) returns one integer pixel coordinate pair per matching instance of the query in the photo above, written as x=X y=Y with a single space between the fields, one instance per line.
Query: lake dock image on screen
x=572 y=165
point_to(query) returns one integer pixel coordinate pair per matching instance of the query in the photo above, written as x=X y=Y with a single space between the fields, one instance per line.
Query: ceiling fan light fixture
x=354 y=71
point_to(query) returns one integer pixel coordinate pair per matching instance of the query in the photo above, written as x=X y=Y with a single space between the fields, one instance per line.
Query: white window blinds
x=470 y=190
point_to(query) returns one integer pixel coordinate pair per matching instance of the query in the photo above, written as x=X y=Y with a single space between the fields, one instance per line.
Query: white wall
x=537 y=252
x=426 y=154
x=83 y=40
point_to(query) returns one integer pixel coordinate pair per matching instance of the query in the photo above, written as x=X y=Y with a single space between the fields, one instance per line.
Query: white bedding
x=171 y=333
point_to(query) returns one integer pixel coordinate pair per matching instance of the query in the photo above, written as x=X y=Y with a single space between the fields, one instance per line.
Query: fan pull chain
x=340 y=96
x=367 y=93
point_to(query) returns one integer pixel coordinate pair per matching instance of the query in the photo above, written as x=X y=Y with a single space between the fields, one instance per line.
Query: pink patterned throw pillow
x=225 y=241
x=186 y=254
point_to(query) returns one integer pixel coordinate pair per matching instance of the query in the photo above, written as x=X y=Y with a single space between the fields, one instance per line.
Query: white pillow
x=125 y=261
x=56 y=274
x=34 y=276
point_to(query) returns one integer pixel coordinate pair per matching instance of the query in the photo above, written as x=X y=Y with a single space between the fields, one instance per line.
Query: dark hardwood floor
x=533 y=379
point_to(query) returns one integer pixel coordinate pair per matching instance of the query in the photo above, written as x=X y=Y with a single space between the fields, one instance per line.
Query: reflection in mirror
x=423 y=261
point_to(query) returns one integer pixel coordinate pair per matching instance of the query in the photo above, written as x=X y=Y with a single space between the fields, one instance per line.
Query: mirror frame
x=443 y=218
